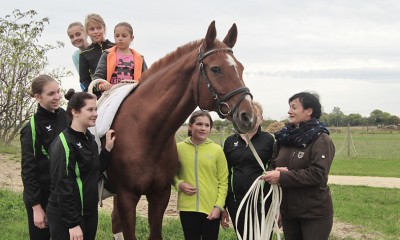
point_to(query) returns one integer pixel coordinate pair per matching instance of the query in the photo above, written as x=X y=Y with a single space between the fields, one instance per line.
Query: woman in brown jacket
x=301 y=168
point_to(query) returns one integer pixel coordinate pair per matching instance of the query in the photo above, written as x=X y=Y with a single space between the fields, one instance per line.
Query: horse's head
x=220 y=85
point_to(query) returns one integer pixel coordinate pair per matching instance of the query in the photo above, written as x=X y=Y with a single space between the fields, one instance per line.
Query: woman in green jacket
x=201 y=179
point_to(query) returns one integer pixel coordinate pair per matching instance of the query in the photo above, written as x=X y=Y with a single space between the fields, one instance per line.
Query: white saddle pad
x=107 y=107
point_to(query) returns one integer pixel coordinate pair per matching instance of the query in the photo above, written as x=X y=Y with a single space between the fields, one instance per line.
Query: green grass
x=13 y=150
x=366 y=167
x=372 y=155
x=376 y=209
x=376 y=146
x=12 y=216
x=14 y=222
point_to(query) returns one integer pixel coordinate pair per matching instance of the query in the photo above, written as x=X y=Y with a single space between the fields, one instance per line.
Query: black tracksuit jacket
x=243 y=166
x=88 y=60
x=74 y=179
x=34 y=162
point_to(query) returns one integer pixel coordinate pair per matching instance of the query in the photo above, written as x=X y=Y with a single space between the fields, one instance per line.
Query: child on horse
x=120 y=62
x=89 y=58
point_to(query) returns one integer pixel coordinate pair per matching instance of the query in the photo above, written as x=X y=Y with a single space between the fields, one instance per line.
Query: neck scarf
x=300 y=137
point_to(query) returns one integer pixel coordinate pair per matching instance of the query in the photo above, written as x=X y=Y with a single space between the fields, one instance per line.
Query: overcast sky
x=348 y=51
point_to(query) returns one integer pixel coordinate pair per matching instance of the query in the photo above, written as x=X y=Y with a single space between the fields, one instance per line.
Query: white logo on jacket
x=48 y=128
x=300 y=155
x=79 y=145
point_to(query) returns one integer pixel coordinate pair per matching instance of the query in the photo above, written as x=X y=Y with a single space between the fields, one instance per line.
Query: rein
x=260 y=230
x=220 y=102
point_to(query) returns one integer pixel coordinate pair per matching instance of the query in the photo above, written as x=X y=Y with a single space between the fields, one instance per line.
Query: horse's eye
x=215 y=70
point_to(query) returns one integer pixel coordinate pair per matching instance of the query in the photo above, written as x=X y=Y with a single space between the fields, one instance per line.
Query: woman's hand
x=272 y=177
x=75 y=233
x=282 y=169
x=187 y=188
x=110 y=138
x=214 y=214
x=39 y=216
x=225 y=219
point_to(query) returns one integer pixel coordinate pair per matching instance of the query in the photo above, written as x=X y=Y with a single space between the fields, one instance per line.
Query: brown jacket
x=304 y=187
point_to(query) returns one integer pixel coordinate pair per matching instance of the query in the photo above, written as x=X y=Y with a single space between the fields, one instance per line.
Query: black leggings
x=35 y=232
x=59 y=231
x=307 y=229
x=196 y=226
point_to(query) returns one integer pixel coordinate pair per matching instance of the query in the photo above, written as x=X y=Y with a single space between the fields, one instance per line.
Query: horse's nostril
x=245 y=117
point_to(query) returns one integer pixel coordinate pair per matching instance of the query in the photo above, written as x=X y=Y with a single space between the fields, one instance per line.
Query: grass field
x=374 y=210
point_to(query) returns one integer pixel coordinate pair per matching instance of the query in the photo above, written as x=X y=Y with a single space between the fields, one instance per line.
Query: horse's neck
x=167 y=98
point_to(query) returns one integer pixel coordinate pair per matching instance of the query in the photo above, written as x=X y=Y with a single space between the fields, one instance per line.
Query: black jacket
x=73 y=189
x=88 y=60
x=34 y=160
x=243 y=166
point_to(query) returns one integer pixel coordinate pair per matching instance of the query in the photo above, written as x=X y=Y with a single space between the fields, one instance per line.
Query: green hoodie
x=204 y=167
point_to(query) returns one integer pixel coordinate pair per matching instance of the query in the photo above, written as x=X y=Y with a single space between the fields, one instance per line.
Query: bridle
x=220 y=102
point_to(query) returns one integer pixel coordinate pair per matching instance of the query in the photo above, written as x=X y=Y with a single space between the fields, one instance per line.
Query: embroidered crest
x=79 y=145
x=300 y=155
x=48 y=128
x=235 y=144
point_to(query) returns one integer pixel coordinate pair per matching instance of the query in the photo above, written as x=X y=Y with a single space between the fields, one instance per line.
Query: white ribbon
x=269 y=221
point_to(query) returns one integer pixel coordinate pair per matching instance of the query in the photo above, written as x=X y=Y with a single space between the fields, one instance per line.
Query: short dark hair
x=195 y=115
x=309 y=100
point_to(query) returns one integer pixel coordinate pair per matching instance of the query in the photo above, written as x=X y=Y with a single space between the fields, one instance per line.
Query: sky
x=346 y=51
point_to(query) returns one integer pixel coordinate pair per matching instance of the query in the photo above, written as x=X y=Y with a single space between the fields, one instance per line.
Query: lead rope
x=269 y=222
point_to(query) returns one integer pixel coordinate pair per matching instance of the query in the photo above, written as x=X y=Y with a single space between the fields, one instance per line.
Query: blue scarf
x=300 y=137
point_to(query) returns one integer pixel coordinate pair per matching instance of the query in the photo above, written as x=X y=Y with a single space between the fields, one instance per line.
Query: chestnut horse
x=202 y=73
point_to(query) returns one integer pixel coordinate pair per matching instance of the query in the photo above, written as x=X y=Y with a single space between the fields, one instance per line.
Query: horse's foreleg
x=126 y=204
x=157 y=204
x=115 y=218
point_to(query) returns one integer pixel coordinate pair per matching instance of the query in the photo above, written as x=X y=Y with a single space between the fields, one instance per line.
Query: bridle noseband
x=220 y=102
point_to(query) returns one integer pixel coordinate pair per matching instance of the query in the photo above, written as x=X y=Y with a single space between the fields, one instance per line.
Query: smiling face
x=86 y=116
x=96 y=32
x=200 y=129
x=50 y=96
x=78 y=37
x=123 y=37
x=297 y=114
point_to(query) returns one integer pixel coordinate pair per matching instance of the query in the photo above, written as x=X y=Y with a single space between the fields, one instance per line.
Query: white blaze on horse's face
x=232 y=62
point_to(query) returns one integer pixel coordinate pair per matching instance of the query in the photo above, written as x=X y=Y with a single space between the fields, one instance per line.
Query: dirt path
x=386 y=182
x=10 y=178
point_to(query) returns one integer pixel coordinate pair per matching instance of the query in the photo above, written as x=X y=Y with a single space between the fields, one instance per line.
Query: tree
x=337 y=116
x=355 y=119
x=22 y=58
x=376 y=117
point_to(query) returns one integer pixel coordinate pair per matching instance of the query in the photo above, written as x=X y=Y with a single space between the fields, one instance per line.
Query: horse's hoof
x=118 y=236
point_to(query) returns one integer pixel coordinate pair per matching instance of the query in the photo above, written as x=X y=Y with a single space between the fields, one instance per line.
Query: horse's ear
x=210 y=36
x=231 y=37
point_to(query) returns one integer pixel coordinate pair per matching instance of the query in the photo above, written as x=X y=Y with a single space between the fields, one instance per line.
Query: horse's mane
x=171 y=58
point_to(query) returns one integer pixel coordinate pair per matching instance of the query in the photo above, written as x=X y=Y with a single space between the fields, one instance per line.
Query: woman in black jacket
x=36 y=136
x=244 y=169
x=75 y=167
